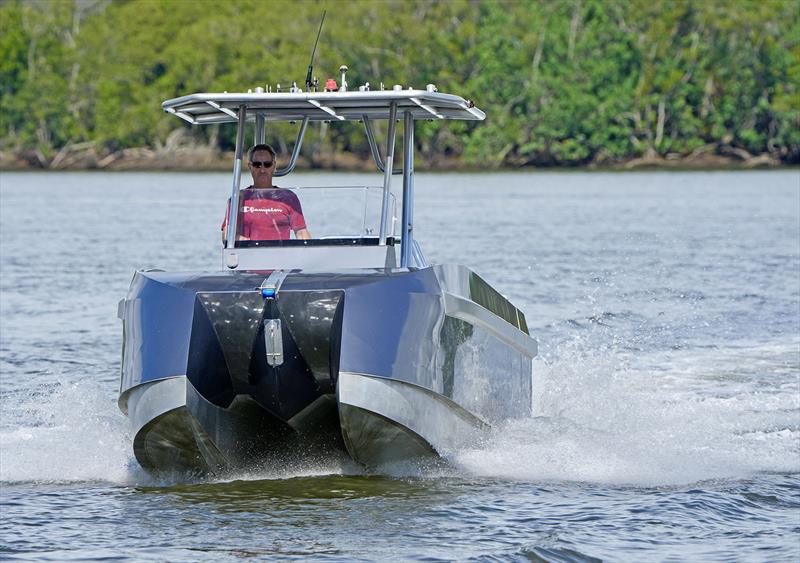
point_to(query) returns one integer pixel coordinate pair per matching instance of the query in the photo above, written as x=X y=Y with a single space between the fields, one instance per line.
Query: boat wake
x=66 y=433
x=715 y=414
x=75 y=433
x=673 y=418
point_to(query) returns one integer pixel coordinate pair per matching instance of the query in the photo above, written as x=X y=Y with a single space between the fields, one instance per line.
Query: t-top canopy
x=207 y=108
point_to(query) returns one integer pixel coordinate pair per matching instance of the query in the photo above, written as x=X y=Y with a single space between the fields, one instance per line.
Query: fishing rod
x=313 y=52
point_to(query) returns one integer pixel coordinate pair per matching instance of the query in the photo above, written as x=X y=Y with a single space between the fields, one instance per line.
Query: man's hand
x=240 y=237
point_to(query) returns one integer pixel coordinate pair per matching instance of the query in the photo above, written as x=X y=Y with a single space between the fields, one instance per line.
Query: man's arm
x=302 y=234
x=239 y=237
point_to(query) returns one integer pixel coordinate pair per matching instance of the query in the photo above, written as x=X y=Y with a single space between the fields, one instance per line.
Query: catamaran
x=349 y=341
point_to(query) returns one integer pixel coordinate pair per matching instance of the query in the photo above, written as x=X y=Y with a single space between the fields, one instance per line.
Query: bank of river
x=193 y=158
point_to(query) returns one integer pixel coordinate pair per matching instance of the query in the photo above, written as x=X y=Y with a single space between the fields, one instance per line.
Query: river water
x=666 y=415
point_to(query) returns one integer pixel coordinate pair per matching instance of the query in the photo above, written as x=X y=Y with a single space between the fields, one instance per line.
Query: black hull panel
x=242 y=377
x=199 y=437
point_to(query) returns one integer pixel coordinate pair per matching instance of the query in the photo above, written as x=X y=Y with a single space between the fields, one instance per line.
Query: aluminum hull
x=385 y=364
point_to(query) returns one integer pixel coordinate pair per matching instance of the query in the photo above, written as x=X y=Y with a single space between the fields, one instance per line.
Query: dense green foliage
x=566 y=82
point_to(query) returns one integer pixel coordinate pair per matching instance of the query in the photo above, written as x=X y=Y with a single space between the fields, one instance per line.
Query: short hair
x=260 y=147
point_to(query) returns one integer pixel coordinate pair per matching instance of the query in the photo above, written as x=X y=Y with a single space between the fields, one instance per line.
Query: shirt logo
x=250 y=209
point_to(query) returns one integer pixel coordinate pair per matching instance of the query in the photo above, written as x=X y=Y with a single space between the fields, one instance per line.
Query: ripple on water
x=667 y=407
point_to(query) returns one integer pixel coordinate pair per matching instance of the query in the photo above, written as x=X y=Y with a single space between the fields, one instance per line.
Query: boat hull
x=385 y=364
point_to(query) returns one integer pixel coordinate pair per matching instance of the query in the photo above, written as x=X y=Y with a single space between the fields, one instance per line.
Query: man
x=267 y=211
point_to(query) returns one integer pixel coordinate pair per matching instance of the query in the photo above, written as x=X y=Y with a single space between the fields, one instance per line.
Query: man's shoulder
x=276 y=194
x=284 y=194
x=274 y=191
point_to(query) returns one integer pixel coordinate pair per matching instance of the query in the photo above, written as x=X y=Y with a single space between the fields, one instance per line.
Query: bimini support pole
x=298 y=144
x=233 y=212
x=261 y=134
x=408 y=189
x=387 y=173
x=373 y=146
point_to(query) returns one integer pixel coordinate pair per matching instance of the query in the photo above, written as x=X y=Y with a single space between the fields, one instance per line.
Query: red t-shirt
x=268 y=214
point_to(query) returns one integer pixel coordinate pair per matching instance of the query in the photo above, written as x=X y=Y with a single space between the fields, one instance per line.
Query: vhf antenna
x=311 y=64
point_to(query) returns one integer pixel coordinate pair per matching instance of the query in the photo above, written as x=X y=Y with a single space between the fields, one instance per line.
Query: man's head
x=262 y=165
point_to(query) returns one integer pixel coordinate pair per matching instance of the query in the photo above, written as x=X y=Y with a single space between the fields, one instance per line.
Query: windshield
x=324 y=212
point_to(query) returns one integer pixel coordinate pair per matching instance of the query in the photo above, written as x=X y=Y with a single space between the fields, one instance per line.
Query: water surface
x=666 y=399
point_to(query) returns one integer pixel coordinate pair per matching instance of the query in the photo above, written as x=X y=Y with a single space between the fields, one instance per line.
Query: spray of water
x=65 y=433
x=599 y=418
x=75 y=433
x=600 y=415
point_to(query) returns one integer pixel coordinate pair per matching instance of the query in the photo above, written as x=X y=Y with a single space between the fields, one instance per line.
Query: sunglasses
x=259 y=164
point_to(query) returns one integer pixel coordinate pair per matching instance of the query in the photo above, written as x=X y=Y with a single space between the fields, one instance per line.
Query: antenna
x=313 y=52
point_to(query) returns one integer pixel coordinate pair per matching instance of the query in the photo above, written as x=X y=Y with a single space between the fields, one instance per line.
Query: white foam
x=598 y=419
x=601 y=415
x=76 y=433
x=66 y=433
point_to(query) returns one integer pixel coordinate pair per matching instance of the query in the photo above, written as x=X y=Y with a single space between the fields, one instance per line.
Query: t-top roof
x=207 y=108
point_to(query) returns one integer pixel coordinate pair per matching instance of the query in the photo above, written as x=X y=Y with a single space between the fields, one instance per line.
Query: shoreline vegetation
x=574 y=84
x=205 y=158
